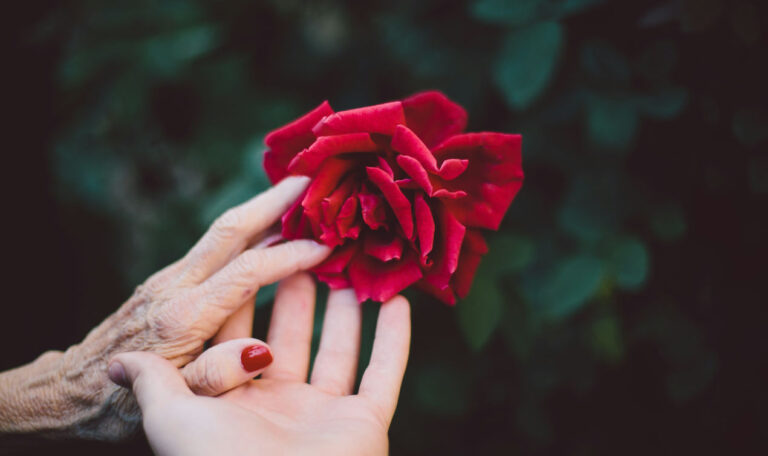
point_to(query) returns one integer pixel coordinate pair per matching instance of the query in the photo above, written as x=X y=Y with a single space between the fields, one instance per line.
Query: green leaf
x=479 y=314
x=628 y=262
x=165 y=54
x=508 y=253
x=592 y=206
x=664 y=104
x=521 y=12
x=526 y=62
x=611 y=122
x=567 y=286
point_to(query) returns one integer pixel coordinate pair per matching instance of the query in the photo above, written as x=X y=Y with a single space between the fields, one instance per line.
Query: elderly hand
x=207 y=294
x=281 y=413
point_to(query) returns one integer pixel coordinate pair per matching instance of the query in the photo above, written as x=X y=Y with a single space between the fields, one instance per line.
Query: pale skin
x=208 y=296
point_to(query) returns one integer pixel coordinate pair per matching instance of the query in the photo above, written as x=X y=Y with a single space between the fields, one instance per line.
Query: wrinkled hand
x=281 y=413
x=207 y=294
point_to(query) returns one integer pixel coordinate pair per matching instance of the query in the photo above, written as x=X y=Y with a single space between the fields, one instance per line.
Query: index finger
x=230 y=233
x=384 y=374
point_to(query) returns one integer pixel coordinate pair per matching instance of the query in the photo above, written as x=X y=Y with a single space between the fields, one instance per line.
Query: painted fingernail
x=255 y=357
x=116 y=373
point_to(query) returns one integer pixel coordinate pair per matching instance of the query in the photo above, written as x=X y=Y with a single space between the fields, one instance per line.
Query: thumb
x=226 y=366
x=153 y=379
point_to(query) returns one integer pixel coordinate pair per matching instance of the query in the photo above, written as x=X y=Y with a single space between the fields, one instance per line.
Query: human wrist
x=65 y=395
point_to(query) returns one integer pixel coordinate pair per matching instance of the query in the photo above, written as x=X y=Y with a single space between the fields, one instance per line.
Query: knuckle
x=207 y=379
x=166 y=321
x=252 y=261
x=229 y=225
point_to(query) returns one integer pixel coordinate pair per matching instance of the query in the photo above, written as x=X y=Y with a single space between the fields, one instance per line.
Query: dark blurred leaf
x=611 y=122
x=605 y=336
x=591 y=208
x=758 y=175
x=480 y=312
x=508 y=253
x=603 y=62
x=527 y=61
x=567 y=286
x=699 y=15
x=166 y=53
x=441 y=390
x=668 y=223
x=658 y=60
x=750 y=126
x=663 y=104
x=628 y=263
x=521 y=12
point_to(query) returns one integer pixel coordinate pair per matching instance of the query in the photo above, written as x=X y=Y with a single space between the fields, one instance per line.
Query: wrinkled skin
x=398 y=191
x=282 y=412
x=206 y=295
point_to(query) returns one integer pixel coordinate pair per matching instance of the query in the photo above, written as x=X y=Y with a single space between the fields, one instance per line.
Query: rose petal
x=308 y=161
x=383 y=245
x=382 y=118
x=473 y=248
x=452 y=168
x=406 y=142
x=331 y=204
x=285 y=142
x=338 y=260
x=380 y=281
x=425 y=227
x=345 y=221
x=446 y=294
x=493 y=176
x=373 y=209
x=331 y=172
x=295 y=224
x=383 y=164
x=335 y=281
x=433 y=117
x=395 y=197
x=448 y=249
x=413 y=168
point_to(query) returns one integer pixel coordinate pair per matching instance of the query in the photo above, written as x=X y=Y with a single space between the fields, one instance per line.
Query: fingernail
x=116 y=373
x=255 y=357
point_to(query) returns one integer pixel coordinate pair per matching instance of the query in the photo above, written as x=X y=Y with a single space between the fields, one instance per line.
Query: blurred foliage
x=165 y=104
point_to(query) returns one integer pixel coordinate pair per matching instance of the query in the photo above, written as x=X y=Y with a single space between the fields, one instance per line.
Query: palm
x=323 y=414
x=313 y=418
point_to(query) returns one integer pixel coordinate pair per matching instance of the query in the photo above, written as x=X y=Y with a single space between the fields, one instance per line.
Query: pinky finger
x=384 y=374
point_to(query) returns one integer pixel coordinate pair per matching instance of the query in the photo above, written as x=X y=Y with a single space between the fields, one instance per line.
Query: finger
x=238 y=325
x=290 y=330
x=223 y=293
x=384 y=374
x=336 y=362
x=232 y=231
x=152 y=378
x=226 y=366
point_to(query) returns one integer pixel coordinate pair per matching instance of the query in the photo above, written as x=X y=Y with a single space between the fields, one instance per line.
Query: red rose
x=398 y=191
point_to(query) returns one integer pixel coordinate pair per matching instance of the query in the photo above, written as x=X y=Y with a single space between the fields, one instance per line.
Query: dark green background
x=620 y=309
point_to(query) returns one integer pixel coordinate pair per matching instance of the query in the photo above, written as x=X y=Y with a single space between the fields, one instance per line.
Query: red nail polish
x=255 y=357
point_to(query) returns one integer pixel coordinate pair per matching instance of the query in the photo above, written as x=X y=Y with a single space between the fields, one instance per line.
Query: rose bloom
x=398 y=191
